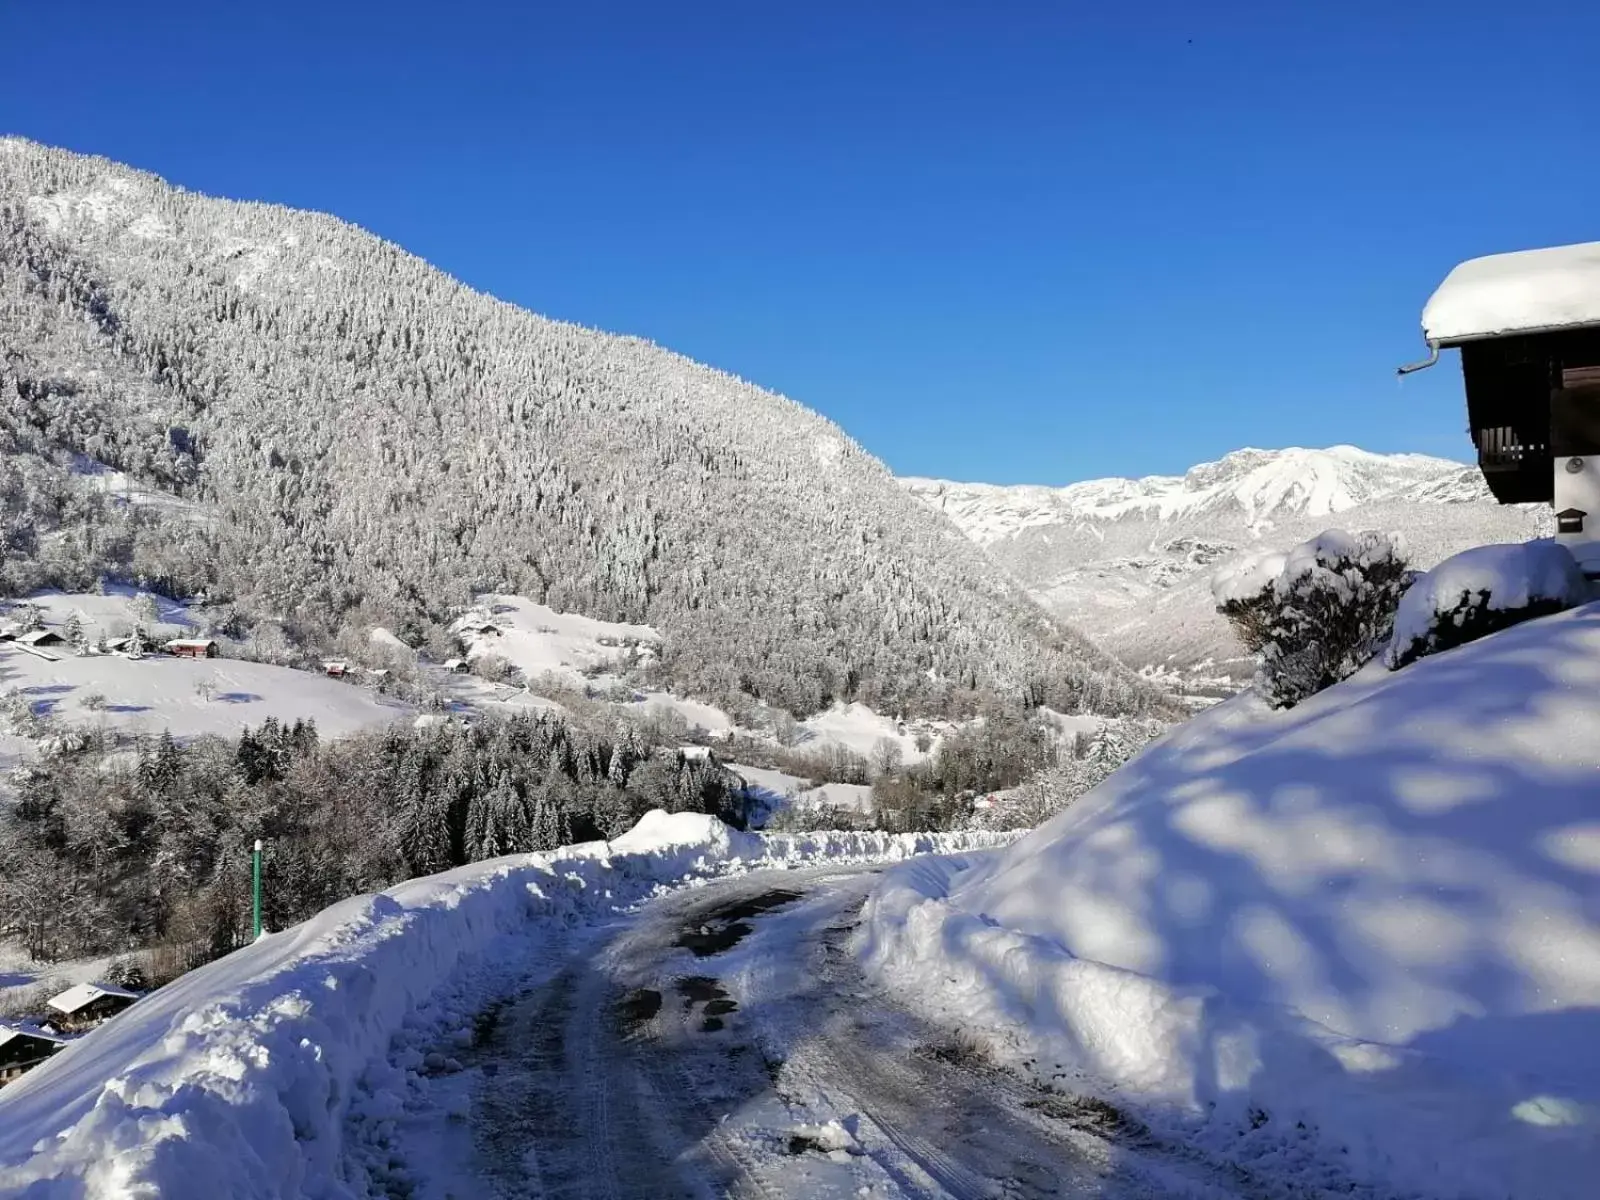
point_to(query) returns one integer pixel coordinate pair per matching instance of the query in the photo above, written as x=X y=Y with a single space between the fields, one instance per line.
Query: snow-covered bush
x=1317 y=614
x=1480 y=591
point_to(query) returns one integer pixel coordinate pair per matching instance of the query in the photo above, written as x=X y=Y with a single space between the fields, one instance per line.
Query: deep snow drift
x=1364 y=931
x=236 y=1079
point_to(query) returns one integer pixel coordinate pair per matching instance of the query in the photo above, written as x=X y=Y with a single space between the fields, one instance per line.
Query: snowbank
x=1363 y=932
x=1486 y=579
x=235 y=1080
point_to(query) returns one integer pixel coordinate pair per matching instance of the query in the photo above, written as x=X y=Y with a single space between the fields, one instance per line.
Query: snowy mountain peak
x=1249 y=488
x=1128 y=559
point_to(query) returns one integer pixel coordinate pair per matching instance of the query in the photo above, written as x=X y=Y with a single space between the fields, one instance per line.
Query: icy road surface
x=723 y=1041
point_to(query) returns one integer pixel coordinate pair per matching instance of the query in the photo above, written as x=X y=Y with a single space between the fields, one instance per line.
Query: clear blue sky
x=1018 y=242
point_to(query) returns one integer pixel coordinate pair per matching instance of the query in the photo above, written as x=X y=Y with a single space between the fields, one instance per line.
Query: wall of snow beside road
x=236 y=1079
x=1364 y=931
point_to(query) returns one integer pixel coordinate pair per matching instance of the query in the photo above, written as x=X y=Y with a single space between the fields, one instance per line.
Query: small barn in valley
x=87 y=1004
x=40 y=637
x=192 y=647
x=22 y=1049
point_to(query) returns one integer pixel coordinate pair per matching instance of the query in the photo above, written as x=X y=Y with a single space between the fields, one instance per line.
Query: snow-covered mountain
x=1129 y=560
x=373 y=443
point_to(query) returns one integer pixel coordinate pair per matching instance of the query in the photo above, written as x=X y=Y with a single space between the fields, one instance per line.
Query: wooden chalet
x=87 y=1004
x=40 y=637
x=336 y=668
x=22 y=1049
x=192 y=648
x=1527 y=325
x=457 y=666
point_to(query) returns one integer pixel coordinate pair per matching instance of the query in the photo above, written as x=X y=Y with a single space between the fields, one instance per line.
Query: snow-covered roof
x=1528 y=291
x=12 y=1032
x=80 y=994
x=39 y=635
x=196 y=643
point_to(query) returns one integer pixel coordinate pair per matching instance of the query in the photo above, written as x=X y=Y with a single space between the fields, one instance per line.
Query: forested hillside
x=359 y=438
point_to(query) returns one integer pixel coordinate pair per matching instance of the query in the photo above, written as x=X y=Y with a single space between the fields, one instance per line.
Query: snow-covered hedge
x=1317 y=614
x=236 y=1079
x=1480 y=591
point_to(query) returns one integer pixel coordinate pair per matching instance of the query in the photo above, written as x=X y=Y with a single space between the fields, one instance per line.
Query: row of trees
x=1013 y=756
x=102 y=852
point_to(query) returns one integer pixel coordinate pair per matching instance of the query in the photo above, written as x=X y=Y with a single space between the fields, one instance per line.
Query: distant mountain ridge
x=373 y=443
x=1129 y=560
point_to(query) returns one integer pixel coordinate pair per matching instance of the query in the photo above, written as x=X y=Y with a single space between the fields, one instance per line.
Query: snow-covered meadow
x=1359 y=938
x=187 y=697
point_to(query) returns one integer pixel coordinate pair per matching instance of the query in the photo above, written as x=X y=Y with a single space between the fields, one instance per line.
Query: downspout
x=1433 y=357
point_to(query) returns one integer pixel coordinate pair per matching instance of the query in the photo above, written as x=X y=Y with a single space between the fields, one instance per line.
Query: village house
x=40 y=637
x=457 y=666
x=1527 y=325
x=22 y=1049
x=192 y=647
x=87 y=1004
x=336 y=668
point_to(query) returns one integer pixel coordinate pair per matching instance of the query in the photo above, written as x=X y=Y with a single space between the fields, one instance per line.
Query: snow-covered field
x=859 y=729
x=696 y=714
x=188 y=696
x=1364 y=931
x=776 y=789
x=237 y=1079
x=111 y=613
x=538 y=640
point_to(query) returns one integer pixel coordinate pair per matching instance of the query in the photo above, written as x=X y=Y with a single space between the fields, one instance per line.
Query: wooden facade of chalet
x=23 y=1049
x=192 y=648
x=1531 y=398
x=87 y=1004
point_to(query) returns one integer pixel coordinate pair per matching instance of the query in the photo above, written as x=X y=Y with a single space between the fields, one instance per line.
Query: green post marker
x=257 y=887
